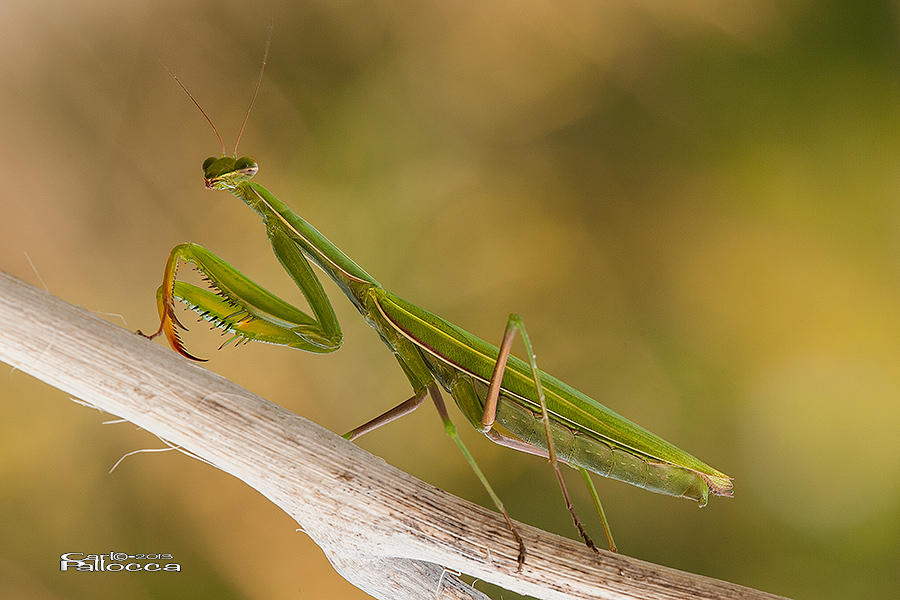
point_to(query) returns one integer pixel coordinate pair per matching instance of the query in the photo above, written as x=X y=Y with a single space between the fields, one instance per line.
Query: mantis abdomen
x=599 y=457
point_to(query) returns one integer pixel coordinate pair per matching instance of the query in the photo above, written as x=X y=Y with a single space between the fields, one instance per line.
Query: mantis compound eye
x=246 y=166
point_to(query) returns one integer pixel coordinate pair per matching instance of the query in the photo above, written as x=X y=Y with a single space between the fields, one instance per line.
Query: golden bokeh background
x=695 y=206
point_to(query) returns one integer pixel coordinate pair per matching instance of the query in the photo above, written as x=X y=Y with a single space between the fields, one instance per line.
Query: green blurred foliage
x=693 y=204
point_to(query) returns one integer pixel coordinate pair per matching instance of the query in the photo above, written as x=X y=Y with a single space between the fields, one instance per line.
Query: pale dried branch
x=386 y=532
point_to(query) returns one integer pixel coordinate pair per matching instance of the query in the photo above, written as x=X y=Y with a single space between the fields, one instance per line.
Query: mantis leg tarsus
x=596 y=498
x=565 y=492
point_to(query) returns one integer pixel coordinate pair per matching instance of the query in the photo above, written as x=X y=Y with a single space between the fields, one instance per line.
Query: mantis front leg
x=245 y=309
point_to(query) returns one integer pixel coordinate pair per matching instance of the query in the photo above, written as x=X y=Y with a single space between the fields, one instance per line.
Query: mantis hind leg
x=513 y=325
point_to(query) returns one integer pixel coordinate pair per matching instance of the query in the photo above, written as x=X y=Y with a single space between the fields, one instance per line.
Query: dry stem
x=386 y=532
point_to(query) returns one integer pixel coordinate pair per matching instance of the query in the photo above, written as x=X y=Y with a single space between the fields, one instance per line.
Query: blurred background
x=695 y=205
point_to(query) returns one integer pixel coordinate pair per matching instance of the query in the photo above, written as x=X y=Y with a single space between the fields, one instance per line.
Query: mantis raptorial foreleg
x=267 y=318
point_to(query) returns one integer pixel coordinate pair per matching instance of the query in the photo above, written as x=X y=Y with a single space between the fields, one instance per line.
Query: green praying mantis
x=509 y=400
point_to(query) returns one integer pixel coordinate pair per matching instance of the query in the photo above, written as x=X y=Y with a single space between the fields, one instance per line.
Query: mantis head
x=226 y=173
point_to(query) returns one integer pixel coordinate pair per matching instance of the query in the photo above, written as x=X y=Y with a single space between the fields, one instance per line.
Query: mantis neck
x=277 y=216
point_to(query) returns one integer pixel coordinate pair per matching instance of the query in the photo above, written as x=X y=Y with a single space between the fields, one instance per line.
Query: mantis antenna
x=255 y=92
x=252 y=100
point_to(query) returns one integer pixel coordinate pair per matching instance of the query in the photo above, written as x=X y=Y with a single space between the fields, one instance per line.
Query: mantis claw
x=169 y=323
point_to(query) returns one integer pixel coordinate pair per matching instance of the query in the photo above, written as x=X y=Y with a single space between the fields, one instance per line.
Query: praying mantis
x=507 y=399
